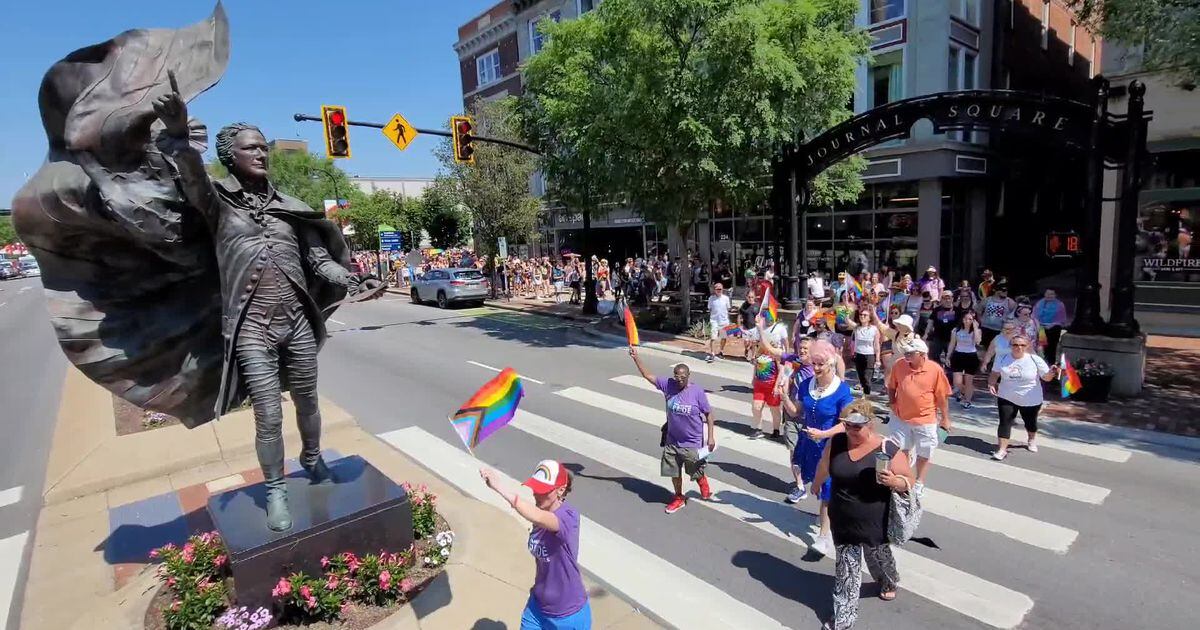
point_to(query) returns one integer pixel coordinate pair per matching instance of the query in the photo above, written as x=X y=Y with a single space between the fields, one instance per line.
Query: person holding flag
x=1015 y=382
x=773 y=333
x=558 y=599
x=684 y=447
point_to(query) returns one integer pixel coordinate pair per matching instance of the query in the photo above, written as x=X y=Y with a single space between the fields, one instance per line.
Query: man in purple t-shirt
x=683 y=434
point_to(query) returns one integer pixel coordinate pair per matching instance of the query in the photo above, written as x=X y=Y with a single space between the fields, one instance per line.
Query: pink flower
x=154 y=553
x=305 y=592
x=407 y=585
x=176 y=604
x=220 y=560
x=169 y=547
x=345 y=606
x=282 y=588
x=189 y=553
x=385 y=579
x=331 y=583
x=171 y=581
x=324 y=561
x=310 y=603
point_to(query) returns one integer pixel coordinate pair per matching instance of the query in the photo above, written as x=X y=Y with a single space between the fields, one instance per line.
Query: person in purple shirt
x=558 y=599
x=688 y=412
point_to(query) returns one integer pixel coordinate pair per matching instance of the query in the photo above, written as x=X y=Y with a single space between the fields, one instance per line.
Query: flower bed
x=353 y=592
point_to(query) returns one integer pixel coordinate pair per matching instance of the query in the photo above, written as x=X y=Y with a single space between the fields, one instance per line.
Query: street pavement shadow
x=741 y=428
x=756 y=478
x=740 y=389
x=808 y=588
x=647 y=491
x=979 y=445
x=489 y=624
x=545 y=333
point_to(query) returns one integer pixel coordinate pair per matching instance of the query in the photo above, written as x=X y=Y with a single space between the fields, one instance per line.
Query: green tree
x=495 y=189
x=306 y=176
x=368 y=212
x=1169 y=29
x=679 y=102
x=8 y=234
x=442 y=213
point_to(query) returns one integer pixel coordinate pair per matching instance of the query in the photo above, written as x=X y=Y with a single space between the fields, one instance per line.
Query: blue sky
x=375 y=57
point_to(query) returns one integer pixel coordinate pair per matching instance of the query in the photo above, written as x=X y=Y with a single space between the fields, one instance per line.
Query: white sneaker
x=1032 y=447
x=1000 y=455
x=919 y=489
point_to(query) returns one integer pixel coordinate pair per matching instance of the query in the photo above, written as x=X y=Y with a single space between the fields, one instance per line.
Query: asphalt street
x=31 y=377
x=1077 y=536
x=1094 y=531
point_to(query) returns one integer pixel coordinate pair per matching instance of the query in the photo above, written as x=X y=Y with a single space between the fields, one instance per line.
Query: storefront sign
x=948 y=111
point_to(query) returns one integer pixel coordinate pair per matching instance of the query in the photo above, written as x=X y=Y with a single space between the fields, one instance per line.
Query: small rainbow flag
x=733 y=330
x=1069 y=378
x=769 y=309
x=631 y=332
x=854 y=286
x=492 y=407
x=828 y=316
x=1041 y=340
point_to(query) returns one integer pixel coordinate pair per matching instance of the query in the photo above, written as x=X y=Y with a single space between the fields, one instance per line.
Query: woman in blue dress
x=818 y=401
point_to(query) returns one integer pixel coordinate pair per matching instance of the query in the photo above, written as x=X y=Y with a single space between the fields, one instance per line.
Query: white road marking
x=990 y=603
x=9 y=497
x=12 y=551
x=969 y=425
x=689 y=602
x=496 y=369
x=3 y=303
x=337 y=322
x=1018 y=527
x=23 y=289
x=1031 y=479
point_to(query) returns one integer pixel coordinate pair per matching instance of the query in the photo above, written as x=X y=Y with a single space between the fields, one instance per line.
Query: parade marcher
x=746 y=314
x=817 y=402
x=931 y=282
x=557 y=278
x=997 y=309
x=801 y=368
x=558 y=599
x=1000 y=347
x=860 y=493
x=718 y=318
x=1016 y=382
x=766 y=378
x=1024 y=324
x=866 y=347
x=919 y=397
x=899 y=332
x=688 y=413
x=1051 y=313
x=938 y=327
x=986 y=284
x=803 y=326
x=963 y=357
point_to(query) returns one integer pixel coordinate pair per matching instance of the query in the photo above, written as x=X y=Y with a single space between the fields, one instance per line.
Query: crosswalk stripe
x=1022 y=528
x=1030 y=479
x=967 y=594
x=11 y=496
x=12 y=551
x=689 y=602
x=961 y=422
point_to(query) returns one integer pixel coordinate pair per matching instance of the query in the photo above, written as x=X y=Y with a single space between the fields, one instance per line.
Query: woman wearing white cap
x=558 y=599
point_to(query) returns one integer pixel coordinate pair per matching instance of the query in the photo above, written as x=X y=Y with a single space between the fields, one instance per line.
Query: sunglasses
x=855 y=427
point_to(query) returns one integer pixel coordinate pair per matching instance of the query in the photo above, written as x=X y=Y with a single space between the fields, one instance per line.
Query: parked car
x=8 y=270
x=29 y=266
x=447 y=286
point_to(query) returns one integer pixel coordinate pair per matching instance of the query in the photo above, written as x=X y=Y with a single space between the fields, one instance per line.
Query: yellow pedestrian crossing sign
x=399 y=132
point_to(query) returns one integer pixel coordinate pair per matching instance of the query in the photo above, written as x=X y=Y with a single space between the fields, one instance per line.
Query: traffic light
x=337 y=131
x=464 y=135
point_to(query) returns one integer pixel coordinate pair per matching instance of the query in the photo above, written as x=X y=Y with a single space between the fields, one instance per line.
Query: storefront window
x=750 y=229
x=890 y=225
x=820 y=226
x=1165 y=250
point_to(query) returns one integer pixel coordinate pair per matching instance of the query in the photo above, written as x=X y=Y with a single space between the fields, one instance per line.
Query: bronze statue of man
x=266 y=245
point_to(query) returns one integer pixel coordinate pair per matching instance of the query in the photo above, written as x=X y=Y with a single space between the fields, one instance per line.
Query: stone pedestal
x=363 y=512
x=1126 y=356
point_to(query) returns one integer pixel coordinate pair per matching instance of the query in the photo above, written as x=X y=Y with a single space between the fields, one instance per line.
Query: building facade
x=1167 y=263
x=932 y=199
x=408 y=187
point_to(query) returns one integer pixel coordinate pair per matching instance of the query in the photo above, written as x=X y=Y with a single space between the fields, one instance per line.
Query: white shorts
x=717 y=330
x=750 y=335
x=919 y=438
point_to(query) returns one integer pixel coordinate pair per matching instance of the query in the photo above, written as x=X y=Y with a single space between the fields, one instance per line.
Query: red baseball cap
x=547 y=477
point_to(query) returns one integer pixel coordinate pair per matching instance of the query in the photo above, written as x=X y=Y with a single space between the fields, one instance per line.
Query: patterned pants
x=848 y=579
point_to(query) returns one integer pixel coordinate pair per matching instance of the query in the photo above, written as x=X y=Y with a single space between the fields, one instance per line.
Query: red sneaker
x=705 y=492
x=677 y=504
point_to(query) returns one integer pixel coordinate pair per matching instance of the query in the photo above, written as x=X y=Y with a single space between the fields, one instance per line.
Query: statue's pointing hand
x=172 y=110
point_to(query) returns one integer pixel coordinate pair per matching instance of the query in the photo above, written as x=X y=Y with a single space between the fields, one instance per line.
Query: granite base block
x=362 y=511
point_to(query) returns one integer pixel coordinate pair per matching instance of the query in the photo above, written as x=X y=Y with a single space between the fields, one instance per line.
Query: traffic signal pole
x=432 y=132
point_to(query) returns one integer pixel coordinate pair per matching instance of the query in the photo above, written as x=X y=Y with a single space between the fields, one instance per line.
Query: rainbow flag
x=492 y=407
x=827 y=315
x=1069 y=378
x=631 y=332
x=854 y=286
x=769 y=309
x=733 y=330
x=1041 y=340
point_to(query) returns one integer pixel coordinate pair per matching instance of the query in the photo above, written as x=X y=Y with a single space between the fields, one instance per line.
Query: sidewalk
x=1168 y=402
x=94 y=534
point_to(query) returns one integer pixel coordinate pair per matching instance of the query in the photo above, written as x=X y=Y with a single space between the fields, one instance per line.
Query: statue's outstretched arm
x=174 y=142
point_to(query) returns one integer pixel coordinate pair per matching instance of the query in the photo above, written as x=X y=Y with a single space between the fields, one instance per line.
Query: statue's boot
x=308 y=421
x=279 y=517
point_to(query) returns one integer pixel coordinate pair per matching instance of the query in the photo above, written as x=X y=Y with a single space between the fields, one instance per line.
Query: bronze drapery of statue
x=176 y=292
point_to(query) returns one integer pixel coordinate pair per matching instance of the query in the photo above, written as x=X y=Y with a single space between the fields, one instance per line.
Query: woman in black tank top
x=858 y=508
